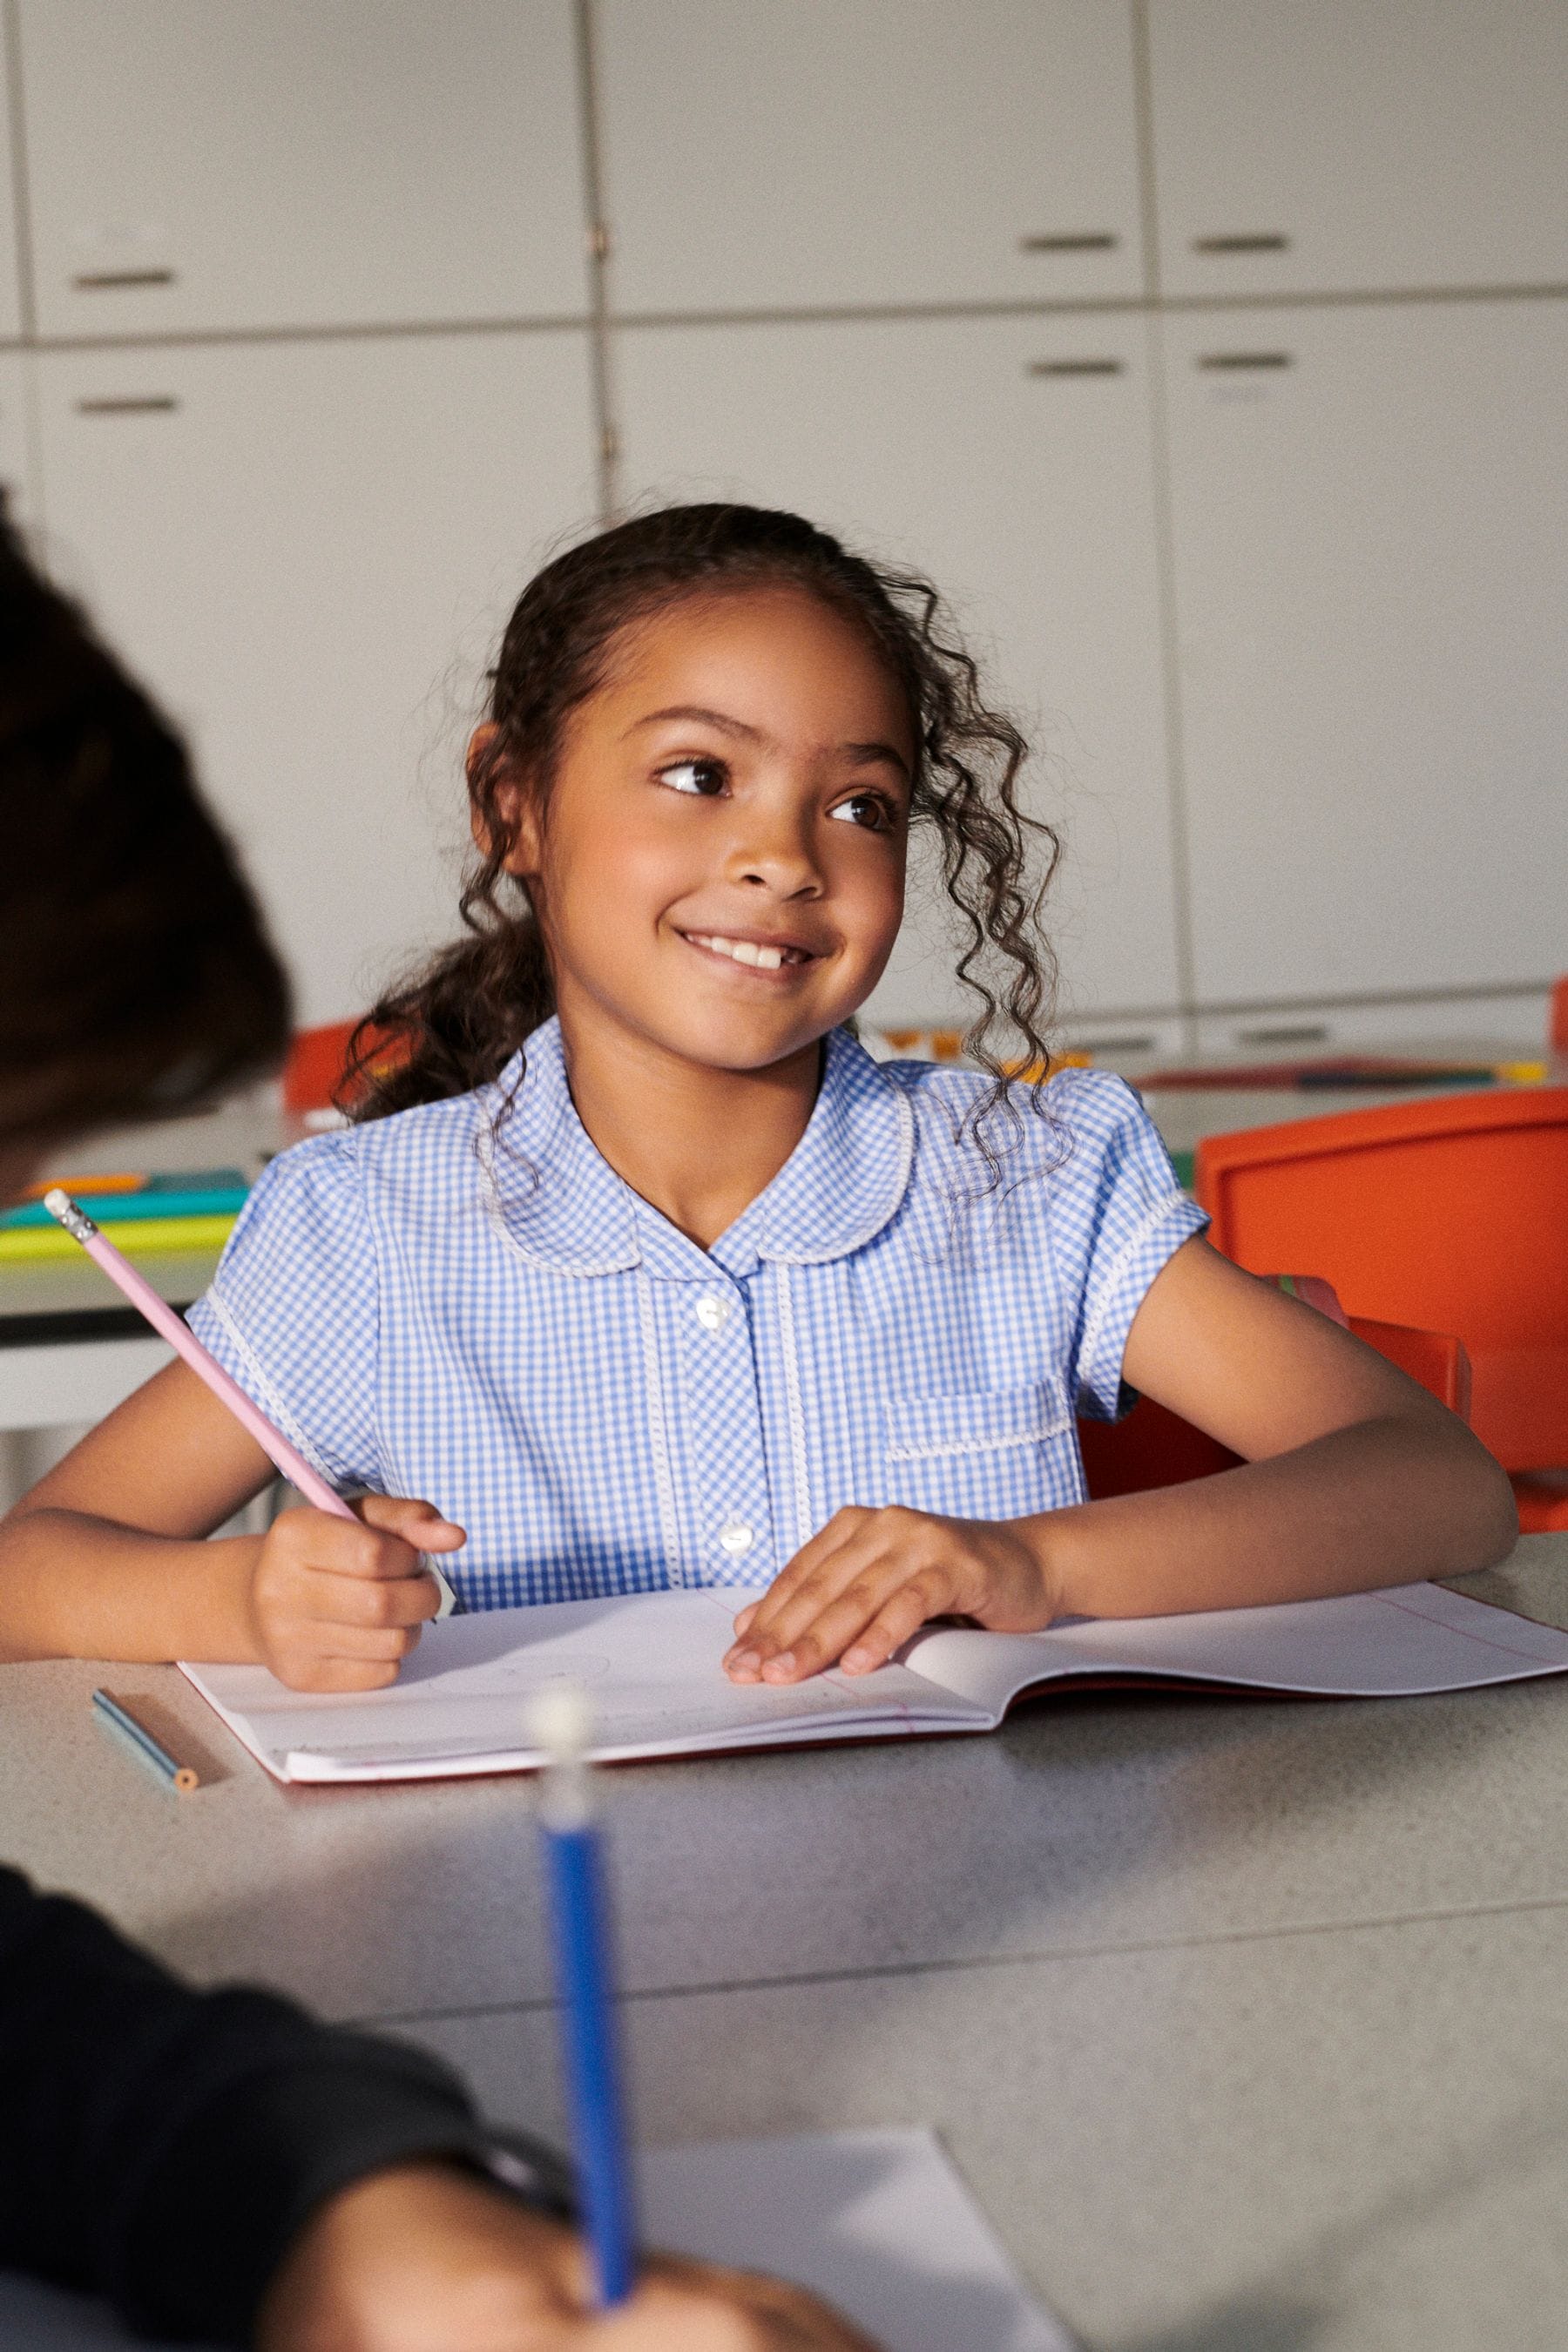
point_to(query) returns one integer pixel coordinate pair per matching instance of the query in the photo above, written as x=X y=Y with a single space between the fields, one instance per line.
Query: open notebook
x=652 y=1667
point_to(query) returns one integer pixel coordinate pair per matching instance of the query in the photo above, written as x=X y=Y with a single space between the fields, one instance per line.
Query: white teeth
x=742 y=950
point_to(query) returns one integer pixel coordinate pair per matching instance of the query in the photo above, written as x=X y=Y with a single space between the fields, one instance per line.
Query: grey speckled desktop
x=1247 y=2021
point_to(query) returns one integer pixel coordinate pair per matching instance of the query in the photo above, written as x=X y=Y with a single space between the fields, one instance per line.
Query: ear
x=480 y=742
x=513 y=803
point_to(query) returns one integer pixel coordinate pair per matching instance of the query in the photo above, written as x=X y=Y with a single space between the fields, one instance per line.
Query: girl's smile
x=754 y=951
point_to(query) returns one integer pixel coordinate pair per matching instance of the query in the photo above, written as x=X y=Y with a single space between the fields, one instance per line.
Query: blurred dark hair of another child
x=137 y=981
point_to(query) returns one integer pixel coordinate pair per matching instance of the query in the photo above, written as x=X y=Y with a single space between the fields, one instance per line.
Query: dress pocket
x=992 y=1457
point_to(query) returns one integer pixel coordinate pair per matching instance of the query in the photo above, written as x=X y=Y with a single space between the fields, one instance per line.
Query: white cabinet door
x=218 y=164
x=308 y=551
x=1010 y=460
x=1309 y=146
x=857 y=153
x=1371 y=522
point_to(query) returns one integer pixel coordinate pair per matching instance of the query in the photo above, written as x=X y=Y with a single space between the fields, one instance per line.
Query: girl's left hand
x=871 y=1577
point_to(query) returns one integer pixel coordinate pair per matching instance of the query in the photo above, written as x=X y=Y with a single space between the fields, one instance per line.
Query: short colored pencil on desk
x=144 y=1745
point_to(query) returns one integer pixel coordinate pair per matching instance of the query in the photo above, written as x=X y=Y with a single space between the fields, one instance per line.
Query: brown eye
x=868 y=810
x=701 y=778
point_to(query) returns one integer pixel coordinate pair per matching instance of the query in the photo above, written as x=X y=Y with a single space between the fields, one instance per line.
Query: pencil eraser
x=64 y=1211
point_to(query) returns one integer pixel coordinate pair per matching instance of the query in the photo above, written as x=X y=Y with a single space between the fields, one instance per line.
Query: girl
x=645 y=1274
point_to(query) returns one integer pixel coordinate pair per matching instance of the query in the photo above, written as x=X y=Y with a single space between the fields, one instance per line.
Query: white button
x=736 y=1538
x=712 y=1310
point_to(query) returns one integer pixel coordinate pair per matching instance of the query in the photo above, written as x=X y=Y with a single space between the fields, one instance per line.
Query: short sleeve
x=291 y=1313
x=1130 y=1216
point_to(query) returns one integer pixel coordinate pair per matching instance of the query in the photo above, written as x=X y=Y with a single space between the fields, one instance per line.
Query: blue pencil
x=580 y=1927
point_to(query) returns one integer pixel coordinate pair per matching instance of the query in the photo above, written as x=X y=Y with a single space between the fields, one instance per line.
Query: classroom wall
x=1209 y=356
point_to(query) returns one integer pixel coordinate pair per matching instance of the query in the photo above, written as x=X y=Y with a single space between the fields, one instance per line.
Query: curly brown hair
x=457 y=1023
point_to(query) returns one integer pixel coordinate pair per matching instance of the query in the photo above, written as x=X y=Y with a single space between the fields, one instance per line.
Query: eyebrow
x=884 y=753
x=704 y=718
x=864 y=755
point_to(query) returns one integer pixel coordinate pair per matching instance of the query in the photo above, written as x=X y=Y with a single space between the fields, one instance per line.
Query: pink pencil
x=184 y=1340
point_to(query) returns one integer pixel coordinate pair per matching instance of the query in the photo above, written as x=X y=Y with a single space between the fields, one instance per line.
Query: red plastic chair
x=1153 y=1447
x=314 y=1068
x=317 y=1065
x=1435 y=1359
x=1450 y=1215
x=1150 y=1448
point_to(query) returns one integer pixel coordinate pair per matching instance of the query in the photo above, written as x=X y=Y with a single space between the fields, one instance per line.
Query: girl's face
x=721 y=869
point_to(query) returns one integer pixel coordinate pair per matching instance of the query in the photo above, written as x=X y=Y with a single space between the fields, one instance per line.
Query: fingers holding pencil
x=338 y=1603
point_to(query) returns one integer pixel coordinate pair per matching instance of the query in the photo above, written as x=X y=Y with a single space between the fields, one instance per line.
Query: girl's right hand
x=337 y=1604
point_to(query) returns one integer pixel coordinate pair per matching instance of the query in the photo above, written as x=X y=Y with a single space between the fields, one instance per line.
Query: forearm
x=164 y=2147
x=1381 y=1502
x=75 y=1586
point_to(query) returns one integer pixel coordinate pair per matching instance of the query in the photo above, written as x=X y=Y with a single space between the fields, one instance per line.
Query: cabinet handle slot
x=1114 y=1044
x=1297 y=1033
x=149 y=404
x=1076 y=367
x=108 y=281
x=1089 y=240
x=1236 y=360
x=1260 y=241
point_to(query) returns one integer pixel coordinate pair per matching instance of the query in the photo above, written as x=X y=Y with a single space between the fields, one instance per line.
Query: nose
x=776 y=849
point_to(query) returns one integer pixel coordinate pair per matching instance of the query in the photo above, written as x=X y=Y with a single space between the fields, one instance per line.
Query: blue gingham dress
x=493 y=1320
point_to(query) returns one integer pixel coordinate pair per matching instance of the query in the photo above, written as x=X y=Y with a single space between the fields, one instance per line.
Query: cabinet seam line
x=1092 y=305
x=606 y=440
x=1143 y=116
x=576 y=321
